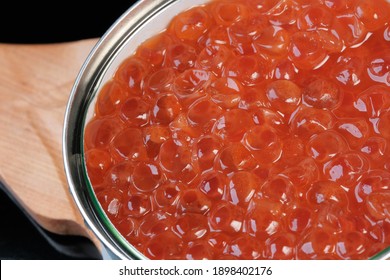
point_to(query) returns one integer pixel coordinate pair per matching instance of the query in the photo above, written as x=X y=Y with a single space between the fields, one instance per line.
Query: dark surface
x=37 y=22
x=22 y=238
x=57 y=21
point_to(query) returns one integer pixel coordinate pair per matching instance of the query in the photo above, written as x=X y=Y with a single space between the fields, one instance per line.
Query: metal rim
x=82 y=92
x=81 y=95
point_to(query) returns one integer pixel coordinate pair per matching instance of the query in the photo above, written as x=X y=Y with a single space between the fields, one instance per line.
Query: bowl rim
x=81 y=95
x=82 y=92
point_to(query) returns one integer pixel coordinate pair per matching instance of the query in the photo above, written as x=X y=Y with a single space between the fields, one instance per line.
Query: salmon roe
x=250 y=129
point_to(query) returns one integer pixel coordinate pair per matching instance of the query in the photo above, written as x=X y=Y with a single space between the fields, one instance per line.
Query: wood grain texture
x=35 y=83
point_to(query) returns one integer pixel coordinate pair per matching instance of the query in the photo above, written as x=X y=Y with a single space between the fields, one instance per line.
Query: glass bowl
x=141 y=21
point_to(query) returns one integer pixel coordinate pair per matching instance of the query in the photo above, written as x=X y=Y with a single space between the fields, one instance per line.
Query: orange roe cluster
x=250 y=129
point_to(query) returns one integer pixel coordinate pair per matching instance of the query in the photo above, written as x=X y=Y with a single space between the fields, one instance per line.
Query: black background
x=38 y=22
x=57 y=21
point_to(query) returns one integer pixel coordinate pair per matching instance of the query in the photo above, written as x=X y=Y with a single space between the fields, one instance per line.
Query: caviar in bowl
x=237 y=130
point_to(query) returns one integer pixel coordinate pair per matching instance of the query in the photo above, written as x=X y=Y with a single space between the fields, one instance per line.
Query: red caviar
x=251 y=129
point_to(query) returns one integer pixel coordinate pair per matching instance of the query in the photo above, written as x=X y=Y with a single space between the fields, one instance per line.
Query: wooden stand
x=35 y=83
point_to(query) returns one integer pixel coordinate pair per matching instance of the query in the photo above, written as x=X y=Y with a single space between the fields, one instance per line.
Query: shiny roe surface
x=251 y=129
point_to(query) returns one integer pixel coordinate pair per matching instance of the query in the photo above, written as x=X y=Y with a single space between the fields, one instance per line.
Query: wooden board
x=35 y=83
